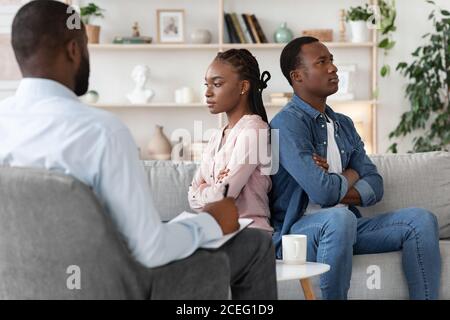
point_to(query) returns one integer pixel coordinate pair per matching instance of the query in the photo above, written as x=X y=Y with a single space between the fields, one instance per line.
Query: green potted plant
x=357 y=18
x=87 y=13
x=428 y=89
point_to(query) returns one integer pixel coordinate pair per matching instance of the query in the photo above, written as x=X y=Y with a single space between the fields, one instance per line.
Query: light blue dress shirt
x=45 y=126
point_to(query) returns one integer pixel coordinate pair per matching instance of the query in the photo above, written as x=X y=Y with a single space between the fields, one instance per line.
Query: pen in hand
x=225 y=193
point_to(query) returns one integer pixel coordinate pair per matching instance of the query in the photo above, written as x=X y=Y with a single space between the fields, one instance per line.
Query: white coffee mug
x=294 y=248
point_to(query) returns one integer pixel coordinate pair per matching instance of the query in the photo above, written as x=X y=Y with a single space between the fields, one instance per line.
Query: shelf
x=282 y=45
x=215 y=46
x=150 y=105
x=203 y=105
x=155 y=46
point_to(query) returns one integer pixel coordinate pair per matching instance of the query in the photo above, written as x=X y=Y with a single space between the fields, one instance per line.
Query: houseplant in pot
x=428 y=89
x=87 y=13
x=357 y=18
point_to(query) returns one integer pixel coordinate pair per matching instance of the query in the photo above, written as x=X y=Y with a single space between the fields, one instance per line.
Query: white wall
x=172 y=69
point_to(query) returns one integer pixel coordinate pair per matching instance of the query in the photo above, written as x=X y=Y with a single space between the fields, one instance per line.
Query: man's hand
x=226 y=214
x=321 y=162
x=352 y=176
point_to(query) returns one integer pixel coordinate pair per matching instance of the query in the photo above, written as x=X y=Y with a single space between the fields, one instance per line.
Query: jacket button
x=324 y=142
x=342 y=151
x=323 y=126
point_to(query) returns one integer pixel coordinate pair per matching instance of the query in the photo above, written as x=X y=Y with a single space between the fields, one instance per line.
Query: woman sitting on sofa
x=234 y=86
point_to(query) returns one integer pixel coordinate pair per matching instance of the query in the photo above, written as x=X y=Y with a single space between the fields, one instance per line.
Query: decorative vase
x=91 y=97
x=283 y=34
x=201 y=36
x=360 y=32
x=159 y=147
x=93 y=33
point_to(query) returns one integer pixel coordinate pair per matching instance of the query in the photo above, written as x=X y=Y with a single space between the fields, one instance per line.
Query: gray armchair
x=49 y=222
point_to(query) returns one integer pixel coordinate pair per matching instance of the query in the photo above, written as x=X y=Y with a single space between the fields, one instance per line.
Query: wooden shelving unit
x=371 y=101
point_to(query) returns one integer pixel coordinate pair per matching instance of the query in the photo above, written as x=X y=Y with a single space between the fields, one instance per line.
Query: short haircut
x=42 y=25
x=290 y=58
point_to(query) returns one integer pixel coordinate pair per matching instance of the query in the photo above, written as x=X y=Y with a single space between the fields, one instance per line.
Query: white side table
x=302 y=272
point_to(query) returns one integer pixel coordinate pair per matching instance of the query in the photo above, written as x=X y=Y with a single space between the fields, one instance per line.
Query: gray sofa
x=420 y=180
x=50 y=222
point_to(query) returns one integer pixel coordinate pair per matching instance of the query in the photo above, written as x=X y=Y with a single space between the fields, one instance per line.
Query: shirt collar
x=40 y=88
x=312 y=112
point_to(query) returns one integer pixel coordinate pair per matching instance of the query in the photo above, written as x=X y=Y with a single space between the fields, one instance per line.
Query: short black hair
x=42 y=25
x=290 y=58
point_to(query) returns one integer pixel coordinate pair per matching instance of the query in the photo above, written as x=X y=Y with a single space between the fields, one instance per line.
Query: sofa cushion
x=415 y=180
x=169 y=183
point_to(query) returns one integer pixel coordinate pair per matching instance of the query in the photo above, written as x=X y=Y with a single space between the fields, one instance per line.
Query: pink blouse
x=247 y=183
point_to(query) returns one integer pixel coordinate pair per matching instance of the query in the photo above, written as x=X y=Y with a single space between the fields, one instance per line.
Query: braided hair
x=247 y=67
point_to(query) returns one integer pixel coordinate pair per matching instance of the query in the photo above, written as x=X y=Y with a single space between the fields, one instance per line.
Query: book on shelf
x=259 y=30
x=232 y=33
x=238 y=28
x=244 y=28
x=252 y=28
x=249 y=29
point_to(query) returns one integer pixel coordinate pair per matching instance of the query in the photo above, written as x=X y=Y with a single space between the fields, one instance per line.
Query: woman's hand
x=321 y=162
x=222 y=174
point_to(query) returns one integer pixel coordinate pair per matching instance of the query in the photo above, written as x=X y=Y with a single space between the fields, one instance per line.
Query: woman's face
x=223 y=87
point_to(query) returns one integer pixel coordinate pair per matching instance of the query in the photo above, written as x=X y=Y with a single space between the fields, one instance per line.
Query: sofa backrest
x=420 y=179
x=52 y=230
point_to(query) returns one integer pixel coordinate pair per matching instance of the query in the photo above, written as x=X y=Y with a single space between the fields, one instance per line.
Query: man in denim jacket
x=325 y=173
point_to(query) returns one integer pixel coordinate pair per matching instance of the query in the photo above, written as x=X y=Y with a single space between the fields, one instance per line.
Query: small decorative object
x=324 y=35
x=342 y=30
x=346 y=74
x=184 y=95
x=357 y=18
x=135 y=38
x=159 y=147
x=170 y=26
x=140 y=94
x=283 y=34
x=181 y=151
x=136 y=32
x=91 y=97
x=201 y=36
x=86 y=14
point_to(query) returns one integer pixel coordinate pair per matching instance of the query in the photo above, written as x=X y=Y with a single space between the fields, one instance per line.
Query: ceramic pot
x=93 y=33
x=201 y=36
x=159 y=146
x=283 y=34
x=359 y=30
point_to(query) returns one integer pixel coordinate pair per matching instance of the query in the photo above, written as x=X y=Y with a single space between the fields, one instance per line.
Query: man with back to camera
x=325 y=173
x=44 y=125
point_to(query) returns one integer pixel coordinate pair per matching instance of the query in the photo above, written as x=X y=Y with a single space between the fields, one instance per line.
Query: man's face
x=82 y=75
x=317 y=73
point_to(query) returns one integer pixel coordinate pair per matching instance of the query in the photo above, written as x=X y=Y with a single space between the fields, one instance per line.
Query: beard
x=82 y=77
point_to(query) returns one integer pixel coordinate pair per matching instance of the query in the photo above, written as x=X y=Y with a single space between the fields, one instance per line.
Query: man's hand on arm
x=226 y=214
x=352 y=197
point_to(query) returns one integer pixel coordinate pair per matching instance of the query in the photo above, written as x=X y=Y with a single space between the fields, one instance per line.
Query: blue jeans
x=335 y=234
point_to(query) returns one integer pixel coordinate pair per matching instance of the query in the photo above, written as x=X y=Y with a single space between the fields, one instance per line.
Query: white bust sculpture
x=140 y=94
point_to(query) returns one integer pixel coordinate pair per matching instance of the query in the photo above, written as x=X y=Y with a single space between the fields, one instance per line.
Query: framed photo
x=170 y=25
x=346 y=75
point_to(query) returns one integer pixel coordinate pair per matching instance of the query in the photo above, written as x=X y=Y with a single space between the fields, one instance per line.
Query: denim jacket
x=303 y=131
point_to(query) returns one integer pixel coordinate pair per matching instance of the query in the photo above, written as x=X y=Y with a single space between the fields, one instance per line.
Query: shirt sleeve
x=123 y=187
x=370 y=184
x=243 y=162
x=296 y=150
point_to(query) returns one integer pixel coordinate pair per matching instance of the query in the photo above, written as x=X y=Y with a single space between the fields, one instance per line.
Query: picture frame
x=170 y=25
x=346 y=75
